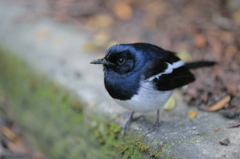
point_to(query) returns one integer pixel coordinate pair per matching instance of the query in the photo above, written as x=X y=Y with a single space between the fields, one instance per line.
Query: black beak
x=101 y=61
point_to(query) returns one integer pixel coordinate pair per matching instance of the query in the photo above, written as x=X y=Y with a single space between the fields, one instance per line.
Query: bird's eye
x=120 y=61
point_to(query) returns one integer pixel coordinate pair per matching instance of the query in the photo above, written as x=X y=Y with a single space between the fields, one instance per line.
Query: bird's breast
x=122 y=87
x=147 y=99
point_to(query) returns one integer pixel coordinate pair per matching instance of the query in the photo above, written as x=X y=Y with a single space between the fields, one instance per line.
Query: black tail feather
x=200 y=64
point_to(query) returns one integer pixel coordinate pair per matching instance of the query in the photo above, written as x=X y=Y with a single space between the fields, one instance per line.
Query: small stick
x=234 y=125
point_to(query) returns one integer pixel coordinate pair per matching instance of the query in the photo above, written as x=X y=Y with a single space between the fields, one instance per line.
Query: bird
x=141 y=77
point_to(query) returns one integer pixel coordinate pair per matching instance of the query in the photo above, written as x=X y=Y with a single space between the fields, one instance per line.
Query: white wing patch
x=177 y=64
x=169 y=69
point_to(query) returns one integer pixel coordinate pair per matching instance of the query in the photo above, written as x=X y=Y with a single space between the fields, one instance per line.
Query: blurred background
x=195 y=29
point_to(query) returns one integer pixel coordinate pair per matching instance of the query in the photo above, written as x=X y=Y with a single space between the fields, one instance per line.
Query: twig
x=234 y=125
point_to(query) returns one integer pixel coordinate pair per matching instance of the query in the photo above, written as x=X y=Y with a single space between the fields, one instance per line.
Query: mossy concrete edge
x=55 y=119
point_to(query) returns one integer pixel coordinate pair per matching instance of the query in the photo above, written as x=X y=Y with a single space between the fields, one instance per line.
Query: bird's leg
x=156 y=125
x=126 y=123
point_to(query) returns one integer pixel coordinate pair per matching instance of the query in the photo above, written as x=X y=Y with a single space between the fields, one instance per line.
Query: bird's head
x=119 y=58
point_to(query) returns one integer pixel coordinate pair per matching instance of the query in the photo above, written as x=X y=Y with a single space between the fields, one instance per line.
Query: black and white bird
x=141 y=76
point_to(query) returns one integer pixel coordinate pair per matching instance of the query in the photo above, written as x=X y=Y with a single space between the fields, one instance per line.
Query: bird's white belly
x=148 y=99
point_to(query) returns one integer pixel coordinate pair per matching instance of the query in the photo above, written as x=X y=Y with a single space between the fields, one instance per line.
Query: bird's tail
x=200 y=64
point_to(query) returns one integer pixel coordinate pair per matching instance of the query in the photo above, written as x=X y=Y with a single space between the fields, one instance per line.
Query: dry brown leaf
x=216 y=47
x=192 y=114
x=226 y=36
x=18 y=147
x=236 y=17
x=123 y=10
x=9 y=134
x=217 y=129
x=101 y=21
x=219 y=104
x=105 y=20
x=200 y=40
x=231 y=50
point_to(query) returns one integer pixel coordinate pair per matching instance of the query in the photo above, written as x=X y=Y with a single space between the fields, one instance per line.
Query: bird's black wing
x=166 y=75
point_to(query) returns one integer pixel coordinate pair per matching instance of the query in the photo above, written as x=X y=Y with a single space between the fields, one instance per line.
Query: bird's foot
x=154 y=128
x=126 y=124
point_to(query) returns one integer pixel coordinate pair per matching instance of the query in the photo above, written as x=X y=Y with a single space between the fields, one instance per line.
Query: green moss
x=109 y=136
x=55 y=120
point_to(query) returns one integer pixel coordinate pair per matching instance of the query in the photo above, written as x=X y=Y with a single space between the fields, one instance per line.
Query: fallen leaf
x=217 y=129
x=9 y=134
x=216 y=47
x=200 y=40
x=236 y=16
x=123 y=10
x=184 y=55
x=220 y=104
x=100 y=21
x=192 y=114
x=18 y=147
x=233 y=125
x=231 y=50
x=227 y=36
x=170 y=103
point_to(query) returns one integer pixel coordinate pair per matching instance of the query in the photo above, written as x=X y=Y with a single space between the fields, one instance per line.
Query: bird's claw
x=124 y=126
x=154 y=128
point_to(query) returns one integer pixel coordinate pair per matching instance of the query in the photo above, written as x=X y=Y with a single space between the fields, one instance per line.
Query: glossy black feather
x=126 y=65
x=178 y=78
x=200 y=64
x=155 y=67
